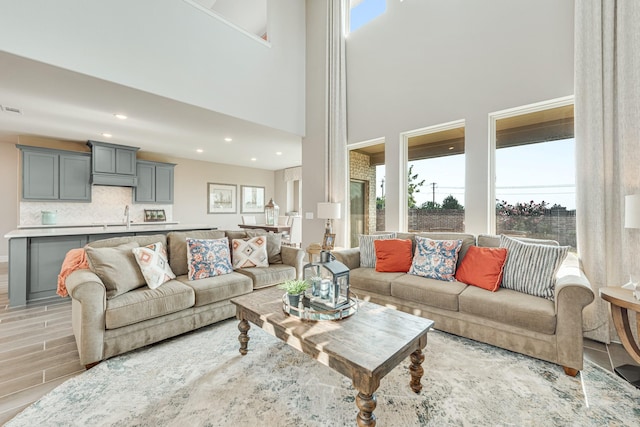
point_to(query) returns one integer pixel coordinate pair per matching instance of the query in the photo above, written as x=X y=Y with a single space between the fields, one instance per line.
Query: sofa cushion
x=154 y=265
x=249 y=253
x=144 y=303
x=177 y=247
x=532 y=268
x=207 y=258
x=274 y=244
x=468 y=240
x=511 y=308
x=393 y=255
x=435 y=259
x=367 y=250
x=368 y=279
x=142 y=240
x=116 y=267
x=267 y=276
x=217 y=288
x=431 y=292
x=482 y=267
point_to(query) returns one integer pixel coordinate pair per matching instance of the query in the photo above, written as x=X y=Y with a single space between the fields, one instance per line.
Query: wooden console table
x=621 y=301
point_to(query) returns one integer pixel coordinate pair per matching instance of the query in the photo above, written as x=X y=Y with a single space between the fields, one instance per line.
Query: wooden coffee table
x=364 y=347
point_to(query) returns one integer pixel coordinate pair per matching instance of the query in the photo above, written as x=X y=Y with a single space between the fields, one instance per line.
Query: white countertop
x=65 y=230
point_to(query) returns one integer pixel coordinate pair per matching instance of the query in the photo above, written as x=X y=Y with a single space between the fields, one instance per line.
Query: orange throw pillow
x=482 y=267
x=393 y=255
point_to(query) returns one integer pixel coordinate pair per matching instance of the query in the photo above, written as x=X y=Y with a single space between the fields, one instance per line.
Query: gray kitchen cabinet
x=40 y=175
x=155 y=182
x=113 y=164
x=46 y=255
x=75 y=177
x=55 y=174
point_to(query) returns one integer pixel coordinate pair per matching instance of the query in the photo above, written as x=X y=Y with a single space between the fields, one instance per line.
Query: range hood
x=113 y=164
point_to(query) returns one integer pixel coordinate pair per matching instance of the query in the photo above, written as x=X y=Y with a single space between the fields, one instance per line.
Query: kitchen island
x=36 y=254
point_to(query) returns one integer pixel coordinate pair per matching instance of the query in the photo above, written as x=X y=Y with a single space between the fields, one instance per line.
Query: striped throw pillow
x=531 y=268
x=368 y=251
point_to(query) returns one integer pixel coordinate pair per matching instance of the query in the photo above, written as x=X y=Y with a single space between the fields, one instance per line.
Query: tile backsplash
x=107 y=206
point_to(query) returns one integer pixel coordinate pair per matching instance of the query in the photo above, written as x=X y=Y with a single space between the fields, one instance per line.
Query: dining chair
x=283 y=220
x=295 y=234
x=249 y=219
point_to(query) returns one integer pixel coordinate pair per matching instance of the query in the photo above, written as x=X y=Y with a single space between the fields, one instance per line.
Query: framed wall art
x=221 y=198
x=251 y=199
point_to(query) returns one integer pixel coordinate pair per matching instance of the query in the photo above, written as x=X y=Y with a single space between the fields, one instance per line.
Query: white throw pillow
x=250 y=253
x=153 y=263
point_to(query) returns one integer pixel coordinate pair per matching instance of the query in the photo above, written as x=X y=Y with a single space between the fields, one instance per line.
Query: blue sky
x=365 y=11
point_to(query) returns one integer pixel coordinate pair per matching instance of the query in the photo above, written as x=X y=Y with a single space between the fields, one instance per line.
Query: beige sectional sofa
x=531 y=325
x=107 y=326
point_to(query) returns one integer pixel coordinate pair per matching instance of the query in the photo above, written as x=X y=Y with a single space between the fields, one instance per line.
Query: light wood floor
x=38 y=351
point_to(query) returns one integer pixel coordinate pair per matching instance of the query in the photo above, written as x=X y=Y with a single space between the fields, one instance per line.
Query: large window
x=435 y=179
x=535 y=175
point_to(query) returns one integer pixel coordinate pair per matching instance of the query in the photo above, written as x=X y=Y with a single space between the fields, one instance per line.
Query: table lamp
x=328 y=211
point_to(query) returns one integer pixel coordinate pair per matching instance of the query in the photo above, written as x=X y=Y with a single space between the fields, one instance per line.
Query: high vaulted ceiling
x=66 y=105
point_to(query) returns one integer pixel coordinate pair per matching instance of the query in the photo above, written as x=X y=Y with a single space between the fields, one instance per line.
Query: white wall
x=428 y=62
x=314 y=142
x=172 y=49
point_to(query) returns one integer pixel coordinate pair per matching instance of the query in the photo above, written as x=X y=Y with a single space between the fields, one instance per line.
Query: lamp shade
x=632 y=211
x=327 y=210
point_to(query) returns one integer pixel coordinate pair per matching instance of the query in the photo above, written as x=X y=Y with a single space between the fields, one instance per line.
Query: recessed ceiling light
x=200 y=150
x=253 y=159
x=120 y=116
x=278 y=153
x=107 y=135
x=228 y=139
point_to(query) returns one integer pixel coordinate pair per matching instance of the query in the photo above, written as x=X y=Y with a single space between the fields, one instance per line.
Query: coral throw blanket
x=75 y=259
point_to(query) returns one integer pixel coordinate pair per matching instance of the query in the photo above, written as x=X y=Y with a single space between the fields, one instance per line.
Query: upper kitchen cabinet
x=155 y=182
x=55 y=174
x=113 y=164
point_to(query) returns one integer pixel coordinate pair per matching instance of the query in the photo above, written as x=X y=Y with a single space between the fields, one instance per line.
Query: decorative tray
x=307 y=312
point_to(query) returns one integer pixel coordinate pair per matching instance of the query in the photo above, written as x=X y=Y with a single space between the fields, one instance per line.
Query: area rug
x=200 y=379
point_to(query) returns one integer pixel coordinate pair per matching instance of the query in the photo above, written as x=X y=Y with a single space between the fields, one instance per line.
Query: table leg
x=366 y=403
x=243 y=327
x=623 y=326
x=416 y=370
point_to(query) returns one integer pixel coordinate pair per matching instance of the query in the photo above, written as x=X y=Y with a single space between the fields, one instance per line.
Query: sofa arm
x=88 y=306
x=349 y=257
x=293 y=257
x=573 y=293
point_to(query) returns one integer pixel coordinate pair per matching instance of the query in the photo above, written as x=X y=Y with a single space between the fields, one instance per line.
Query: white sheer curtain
x=336 y=185
x=607 y=121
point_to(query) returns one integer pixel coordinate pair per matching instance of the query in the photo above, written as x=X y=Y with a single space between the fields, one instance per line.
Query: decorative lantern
x=329 y=280
x=271 y=212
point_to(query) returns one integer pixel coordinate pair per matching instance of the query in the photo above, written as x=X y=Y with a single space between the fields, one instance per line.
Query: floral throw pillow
x=250 y=253
x=152 y=260
x=435 y=259
x=207 y=258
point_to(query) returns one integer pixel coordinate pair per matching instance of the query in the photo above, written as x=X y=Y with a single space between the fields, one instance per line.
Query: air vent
x=14 y=110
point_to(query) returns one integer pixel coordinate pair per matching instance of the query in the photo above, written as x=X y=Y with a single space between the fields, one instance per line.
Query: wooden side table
x=621 y=301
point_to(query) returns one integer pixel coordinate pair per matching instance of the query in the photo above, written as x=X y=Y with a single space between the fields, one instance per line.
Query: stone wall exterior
x=555 y=224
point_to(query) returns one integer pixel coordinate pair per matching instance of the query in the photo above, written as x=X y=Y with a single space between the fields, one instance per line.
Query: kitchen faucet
x=126 y=215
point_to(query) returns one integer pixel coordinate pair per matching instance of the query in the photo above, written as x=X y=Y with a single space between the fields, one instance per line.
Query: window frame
x=503 y=114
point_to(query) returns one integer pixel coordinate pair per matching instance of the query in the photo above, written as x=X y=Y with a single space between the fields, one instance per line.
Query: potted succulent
x=294 y=289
